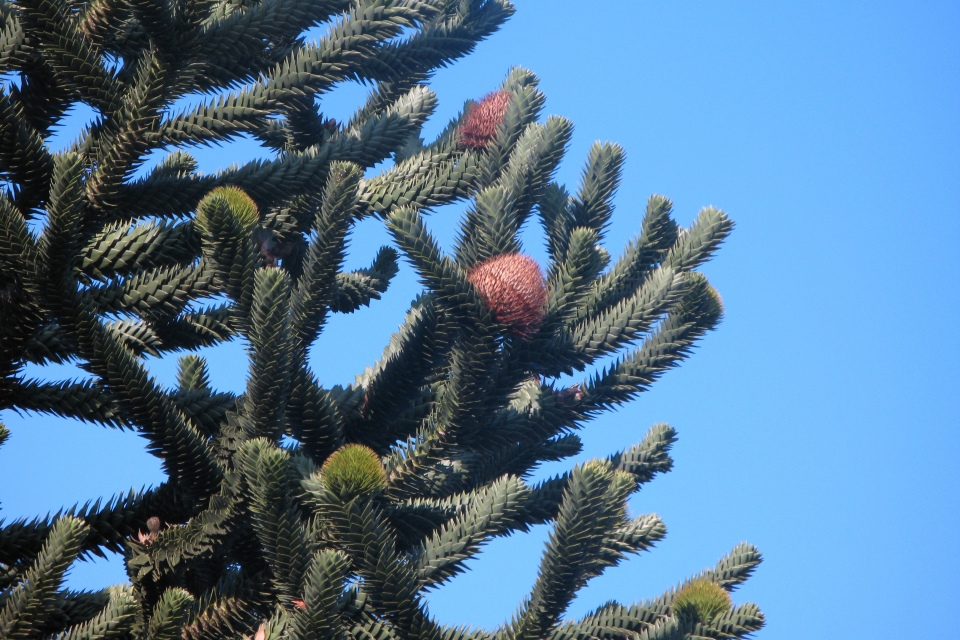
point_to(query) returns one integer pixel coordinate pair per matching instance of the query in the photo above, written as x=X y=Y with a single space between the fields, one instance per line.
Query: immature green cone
x=701 y=601
x=242 y=206
x=353 y=470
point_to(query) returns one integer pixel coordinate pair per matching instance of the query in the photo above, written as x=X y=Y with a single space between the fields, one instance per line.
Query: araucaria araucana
x=298 y=510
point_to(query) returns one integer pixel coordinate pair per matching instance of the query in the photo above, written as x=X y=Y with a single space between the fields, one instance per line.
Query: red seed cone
x=482 y=119
x=513 y=288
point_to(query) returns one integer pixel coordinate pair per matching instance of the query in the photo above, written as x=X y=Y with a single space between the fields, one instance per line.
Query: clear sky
x=820 y=421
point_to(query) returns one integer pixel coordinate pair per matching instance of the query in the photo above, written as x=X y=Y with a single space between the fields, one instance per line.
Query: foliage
x=295 y=510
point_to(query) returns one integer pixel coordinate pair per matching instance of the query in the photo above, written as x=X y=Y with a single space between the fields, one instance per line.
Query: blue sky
x=820 y=421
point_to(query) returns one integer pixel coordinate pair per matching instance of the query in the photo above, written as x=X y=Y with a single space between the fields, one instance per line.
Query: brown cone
x=571 y=395
x=480 y=123
x=153 y=530
x=512 y=286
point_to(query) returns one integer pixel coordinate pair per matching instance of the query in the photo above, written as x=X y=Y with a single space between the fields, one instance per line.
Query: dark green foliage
x=296 y=510
x=29 y=606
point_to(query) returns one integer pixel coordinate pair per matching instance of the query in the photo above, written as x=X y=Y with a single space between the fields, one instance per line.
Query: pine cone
x=512 y=286
x=571 y=395
x=701 y=601
x=353 y=470
x=153 y=530
x=480 y=123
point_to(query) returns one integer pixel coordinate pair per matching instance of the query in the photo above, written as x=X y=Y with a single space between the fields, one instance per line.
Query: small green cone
x=242 y=206
x=701 y=601
x=353 y=470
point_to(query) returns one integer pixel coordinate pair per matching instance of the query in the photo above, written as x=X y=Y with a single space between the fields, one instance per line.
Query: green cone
x=353 y=470
x=701 y=601
x=242 y=206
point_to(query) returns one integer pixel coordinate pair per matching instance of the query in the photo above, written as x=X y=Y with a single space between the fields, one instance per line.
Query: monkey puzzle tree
x=296 y=510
